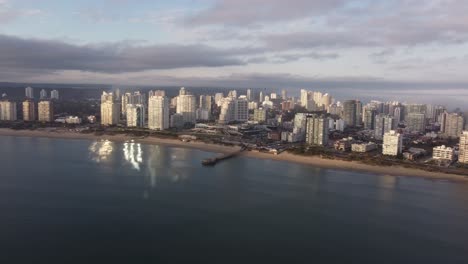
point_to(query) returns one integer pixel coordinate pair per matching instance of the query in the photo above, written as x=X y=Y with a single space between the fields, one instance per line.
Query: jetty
x=213 y=161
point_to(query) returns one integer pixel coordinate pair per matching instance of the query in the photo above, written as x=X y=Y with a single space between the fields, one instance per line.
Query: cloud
x=246 y=12
x=19 y=53
x=9 y=14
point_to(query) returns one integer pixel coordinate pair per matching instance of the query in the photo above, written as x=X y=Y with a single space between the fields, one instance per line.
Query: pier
x=213 y=161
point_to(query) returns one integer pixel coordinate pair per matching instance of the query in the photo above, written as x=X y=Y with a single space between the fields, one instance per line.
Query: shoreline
x=284 y=156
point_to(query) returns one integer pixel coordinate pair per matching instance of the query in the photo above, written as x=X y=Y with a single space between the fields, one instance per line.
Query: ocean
x=83 y=201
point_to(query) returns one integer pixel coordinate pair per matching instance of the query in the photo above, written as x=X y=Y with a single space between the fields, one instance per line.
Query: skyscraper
x=135 y=115
x=317 y=130
x=284 y=94
x=45 y=111
x=392 y=143
x=186 y=106
x=369 y=117
x=463 y=154
x=29 y=112
x=249 y=95
x=416 y=122
x=110 y=109
x=452 y=124
x=158 y=112
x=234 y=110
x=383 y=124
x=43 y=94
x=205 y=107
x=8 y=111
x=351 y=112
x=54 y=95
x=29 y=92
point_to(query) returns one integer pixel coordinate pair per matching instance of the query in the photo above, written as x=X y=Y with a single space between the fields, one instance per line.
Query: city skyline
x=222 y=42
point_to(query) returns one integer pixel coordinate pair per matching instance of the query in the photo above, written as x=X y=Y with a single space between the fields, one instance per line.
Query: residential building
x=260 y=115
x=317 y=130
x=392 y=143
x=186 y=106
x=249 y=95
x=443 y=153
x=29 y=110
x=45 y=111
x=8 y=111
x=363 y=147
x=205 y=107
x=29 y=92
x=383 y=124
x=352 y=113
x=110 y=109
x=135 y=115
x=43 y=94
x=234 y=110
x=369 y=117
x=54 y=94
x=416 y=122
x=177 y=121
x=463 y=153
x=158 y=113
x=452 y=124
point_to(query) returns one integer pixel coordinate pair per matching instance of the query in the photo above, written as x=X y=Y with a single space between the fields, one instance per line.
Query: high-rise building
x=29 y=92
x=392 y=143
x=218 y=97
x=45 y=111
x=54 y=94
x=317 y=130
x=249 y=95
x=187 y=106
x=156 y=93
x=463 y=154
x=415 y=109
x=416 y=122
x=205 y=107
x=29 y=110
x=135 y=115
x=135 y=98
x=397 y=114
x=369 y=117
x=232 y=94
x=234 y=110
x=43 y=94
x=110 y=109
x=383 y=124
x=158 y=113
x=452 y=124
x=260 y=115
x=351 y=113
x=8 y=111
x=284 y=94
x=261 y=97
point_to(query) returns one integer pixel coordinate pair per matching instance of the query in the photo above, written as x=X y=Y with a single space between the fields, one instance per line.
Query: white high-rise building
x=452 y=124
x=135 y=115
x=156 y=93
x=234 y=110
x=232 y=94
x=135 y=98
x=43 y=94
x=249 y=95
x=54 y=94
x=8 y=111
x=158 y=113
x=392 y=143
x=218 y=97
x=317 y=130
x=29 y=110
x=110 y=109
x=45 y=111
x=205 y=106
x=186 y=106
x=463 y=154
x=29 y=92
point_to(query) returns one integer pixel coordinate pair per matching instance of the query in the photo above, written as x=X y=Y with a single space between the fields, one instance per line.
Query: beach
x=284 y=156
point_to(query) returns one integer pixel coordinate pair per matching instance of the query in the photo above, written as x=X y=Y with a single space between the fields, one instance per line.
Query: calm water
x=103 y=202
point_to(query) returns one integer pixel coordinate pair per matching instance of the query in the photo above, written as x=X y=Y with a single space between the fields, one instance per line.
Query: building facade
x=136 y=115
x=8 y=111
x=186 y=106
x=29 y=110
x=158 y=113
x=45 y=111
x=110 y=109
x=392 y=143
x=443 y=153
x=317 y=130
x=463 y=154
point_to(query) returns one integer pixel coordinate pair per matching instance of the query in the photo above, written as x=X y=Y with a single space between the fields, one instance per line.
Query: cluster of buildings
x=41 y=110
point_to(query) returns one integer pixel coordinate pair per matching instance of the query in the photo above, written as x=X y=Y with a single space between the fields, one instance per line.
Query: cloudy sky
x=236 y=42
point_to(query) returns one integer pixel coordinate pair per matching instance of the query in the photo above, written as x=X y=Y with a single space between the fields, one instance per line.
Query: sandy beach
x=288 y=157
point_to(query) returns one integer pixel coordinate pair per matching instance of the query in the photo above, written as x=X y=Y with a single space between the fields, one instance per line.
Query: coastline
x=284 y=156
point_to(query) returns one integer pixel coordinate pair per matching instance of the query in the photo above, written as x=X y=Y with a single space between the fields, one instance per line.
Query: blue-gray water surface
x=86 y=201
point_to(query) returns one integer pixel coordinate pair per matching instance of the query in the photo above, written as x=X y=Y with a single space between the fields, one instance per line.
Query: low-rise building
x=443 y=153
x=414 y=153
x=363 y=147
x=344 y=144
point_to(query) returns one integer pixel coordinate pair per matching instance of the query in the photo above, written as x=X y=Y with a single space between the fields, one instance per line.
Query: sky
x=240 y=43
